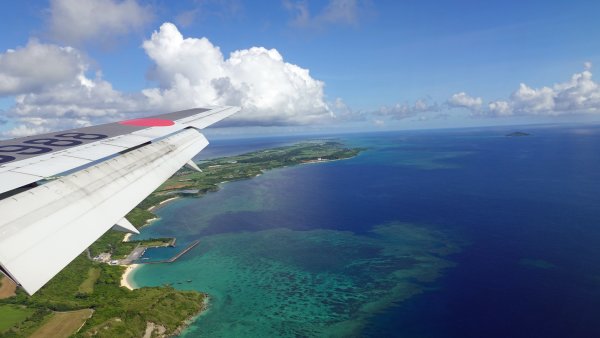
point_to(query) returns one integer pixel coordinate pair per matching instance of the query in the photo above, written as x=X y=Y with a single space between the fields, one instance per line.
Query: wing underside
x=47 y=226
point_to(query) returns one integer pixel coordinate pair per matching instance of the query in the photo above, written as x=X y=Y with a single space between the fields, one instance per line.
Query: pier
x=176 y=257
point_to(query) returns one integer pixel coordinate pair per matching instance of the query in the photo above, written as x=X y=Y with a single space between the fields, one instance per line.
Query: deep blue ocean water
x=523 y=212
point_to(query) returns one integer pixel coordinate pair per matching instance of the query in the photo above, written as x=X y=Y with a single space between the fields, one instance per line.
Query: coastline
x=188 y=322
x=127 y=279
x=326 y=160
x=128 y=235
x=130 y=268
x=125 y=282
x=161 y=204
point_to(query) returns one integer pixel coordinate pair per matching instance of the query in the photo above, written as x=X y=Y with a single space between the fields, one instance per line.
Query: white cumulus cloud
x=51 y=90
x=404 y=110
x=500 y=108
x=527 y=100
x=80 y=98
x=463 y=100
x=190 y=72
x=80 y=21
x=23 y=130
x=578 y=95
x=194 y=72
x=79 y=102
x=37 y=66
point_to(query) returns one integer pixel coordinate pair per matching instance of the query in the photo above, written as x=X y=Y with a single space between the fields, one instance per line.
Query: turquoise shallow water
x=279 y=258
x=459 y=233
x=289 y=283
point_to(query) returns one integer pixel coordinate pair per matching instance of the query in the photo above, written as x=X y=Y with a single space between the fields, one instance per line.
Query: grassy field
x=63 y=324
x=11 y=315
x=87 y=286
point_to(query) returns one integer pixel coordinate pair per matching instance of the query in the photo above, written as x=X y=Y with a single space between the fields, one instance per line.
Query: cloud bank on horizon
x=580 y=94
x=55 y=85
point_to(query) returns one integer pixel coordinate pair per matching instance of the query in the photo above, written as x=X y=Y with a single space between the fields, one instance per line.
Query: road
x=134 y=255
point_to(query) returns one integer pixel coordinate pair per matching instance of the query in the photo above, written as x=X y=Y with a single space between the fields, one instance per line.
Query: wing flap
x=10 y=180
x=127 y=141
x=95 y=151
x=51 y=166
x=45 y=228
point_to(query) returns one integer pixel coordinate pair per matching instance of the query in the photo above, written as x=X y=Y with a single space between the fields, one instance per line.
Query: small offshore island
x=87 y=298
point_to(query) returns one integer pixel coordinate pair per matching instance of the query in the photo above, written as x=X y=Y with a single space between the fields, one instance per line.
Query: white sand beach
x=125 y=278
x=152 y=208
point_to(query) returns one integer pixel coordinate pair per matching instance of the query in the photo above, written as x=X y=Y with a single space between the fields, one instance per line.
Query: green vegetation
x=118 y=311
x=155 y=242
x=85 y=284
x=112 y=242
x=11 y=315
x=138 y=217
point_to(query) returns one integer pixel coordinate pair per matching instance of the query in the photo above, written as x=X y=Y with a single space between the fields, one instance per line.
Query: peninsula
x=86 y=298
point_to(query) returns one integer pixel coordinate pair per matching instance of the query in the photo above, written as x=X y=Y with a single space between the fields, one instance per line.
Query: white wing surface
x=31 y=159
x=45 y=227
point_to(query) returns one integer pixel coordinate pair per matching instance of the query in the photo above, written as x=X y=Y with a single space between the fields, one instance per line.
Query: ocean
x=455 y=233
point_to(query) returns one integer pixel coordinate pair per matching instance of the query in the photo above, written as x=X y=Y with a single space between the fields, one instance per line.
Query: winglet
x=190 y=164
x=125 y=226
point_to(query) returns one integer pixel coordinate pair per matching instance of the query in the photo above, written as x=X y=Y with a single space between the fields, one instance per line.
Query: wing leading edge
x=29 y=159
x=46 y=227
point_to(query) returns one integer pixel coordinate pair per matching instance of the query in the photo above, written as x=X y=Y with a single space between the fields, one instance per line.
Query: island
x=517 y=134
x=87 y=298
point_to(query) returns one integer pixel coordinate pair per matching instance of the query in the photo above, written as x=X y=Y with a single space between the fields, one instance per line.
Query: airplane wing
x=110 y=169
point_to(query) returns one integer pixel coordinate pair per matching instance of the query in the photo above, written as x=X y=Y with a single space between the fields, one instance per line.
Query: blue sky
x=372 y=64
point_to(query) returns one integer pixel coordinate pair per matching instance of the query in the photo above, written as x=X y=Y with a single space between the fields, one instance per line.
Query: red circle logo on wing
x=148 y=123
